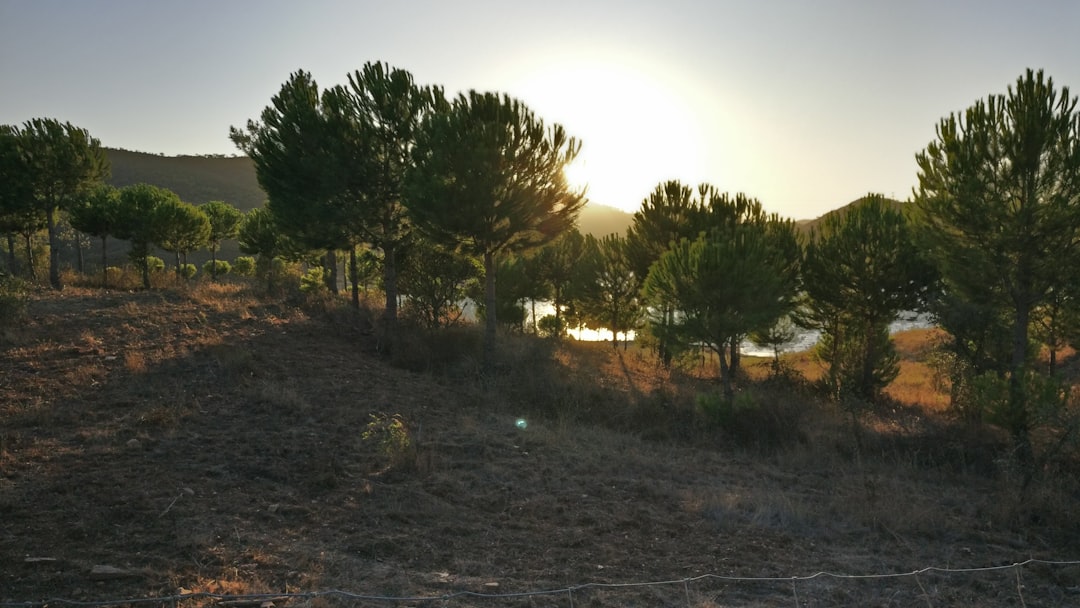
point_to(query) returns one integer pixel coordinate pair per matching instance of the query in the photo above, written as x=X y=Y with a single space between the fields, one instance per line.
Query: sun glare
x=636 y=131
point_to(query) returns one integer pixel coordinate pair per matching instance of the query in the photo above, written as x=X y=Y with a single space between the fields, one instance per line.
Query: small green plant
x=761 y=418
x=218 y=268
x=244 y=266
x=391 y=436
x=188 y=270
x=721 y=411
x=13 y=299
x=154 y=263
x=314 y=280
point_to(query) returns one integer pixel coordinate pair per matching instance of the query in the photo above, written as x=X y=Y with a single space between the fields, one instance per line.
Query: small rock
x=102 y=572
x=133 y=444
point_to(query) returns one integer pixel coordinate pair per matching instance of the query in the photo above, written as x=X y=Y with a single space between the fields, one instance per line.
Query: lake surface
x=804 y=339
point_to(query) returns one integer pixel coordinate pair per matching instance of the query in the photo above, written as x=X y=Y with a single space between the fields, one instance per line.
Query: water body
x=804 y=339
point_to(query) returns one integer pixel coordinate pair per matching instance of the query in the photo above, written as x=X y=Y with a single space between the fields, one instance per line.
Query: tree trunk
x=30 y=265
x=13 y=262
x=213 y=262
x=54 y=250
x=489 y=311
x=330 y=264
x=390 y=285
x=104 y=263
x=353 y=277
x=79 y=253
x=725 y=372
x=736 y=356
x=1018 y=418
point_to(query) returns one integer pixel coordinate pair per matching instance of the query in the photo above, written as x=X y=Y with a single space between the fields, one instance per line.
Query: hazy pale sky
x=805 y=105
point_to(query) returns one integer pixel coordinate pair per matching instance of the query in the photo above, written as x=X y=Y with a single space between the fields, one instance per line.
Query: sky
x=804 y=105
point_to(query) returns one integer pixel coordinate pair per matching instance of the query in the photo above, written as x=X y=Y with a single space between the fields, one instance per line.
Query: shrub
x=218 y=268
x=188 y=270
x=549 y=327
x=244 y=266
x=314 y=280
x=154 y=263
x=758 y=418
x=392 y=438
x=13 y=299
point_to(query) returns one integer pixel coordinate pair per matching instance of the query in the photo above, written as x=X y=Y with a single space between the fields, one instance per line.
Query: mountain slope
x=197 y=179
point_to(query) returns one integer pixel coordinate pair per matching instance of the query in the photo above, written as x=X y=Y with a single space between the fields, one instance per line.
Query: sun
x=635 y=129
x=577 y=175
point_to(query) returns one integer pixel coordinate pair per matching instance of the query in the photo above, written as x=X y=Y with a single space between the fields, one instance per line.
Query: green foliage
x=61 y=161
x=140 y=218
x=259 y=235
x=392 y=437
x=224 y=224
x=515 y=288
x=608 y=288
x=333 y=163
x=97 y=214
x=761 y=420
x=244 y=266
x=187 y=271
x=670 y=214
x=860 y=270
x=997 y=202
x=557 y=267
x=738 y=277
x=775 y=337
x=436 y=280
x=181 y=228
x=314 y=280
x=217 y=268
x=550 y=326
x=13 y=300
x=153 y=264
x=488 y=178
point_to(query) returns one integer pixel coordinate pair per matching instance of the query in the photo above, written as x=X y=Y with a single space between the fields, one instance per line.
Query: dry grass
x=208 y=440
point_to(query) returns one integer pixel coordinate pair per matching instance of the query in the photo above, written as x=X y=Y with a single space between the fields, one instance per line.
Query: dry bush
x=455 y=352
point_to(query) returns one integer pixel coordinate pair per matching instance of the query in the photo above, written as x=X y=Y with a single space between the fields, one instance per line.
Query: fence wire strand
x=568 y=591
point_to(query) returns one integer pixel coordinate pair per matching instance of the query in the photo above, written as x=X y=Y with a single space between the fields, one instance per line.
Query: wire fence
x=571 y=595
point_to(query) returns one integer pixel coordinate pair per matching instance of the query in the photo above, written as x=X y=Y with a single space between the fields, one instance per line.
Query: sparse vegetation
x=238 y=436
x=233 y=448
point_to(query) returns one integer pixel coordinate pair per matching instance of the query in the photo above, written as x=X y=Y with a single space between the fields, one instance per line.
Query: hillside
x=196 y=179
x=199 y=179
x=805 y=226
x=212 y=441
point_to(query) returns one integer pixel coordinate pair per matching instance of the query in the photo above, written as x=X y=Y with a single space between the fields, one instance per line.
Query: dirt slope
x=210 y=441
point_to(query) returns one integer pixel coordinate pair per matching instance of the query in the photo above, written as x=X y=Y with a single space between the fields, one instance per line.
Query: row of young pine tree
x=442 y=193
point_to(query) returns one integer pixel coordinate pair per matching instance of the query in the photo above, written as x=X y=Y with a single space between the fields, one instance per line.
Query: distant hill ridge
x=805 y=226
x=200 y=179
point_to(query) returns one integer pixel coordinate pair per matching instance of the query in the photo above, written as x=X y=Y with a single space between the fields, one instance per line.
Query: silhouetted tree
x=18 y=215
x=488 y=178
x=557 y=263
x=610 y=298
x=1000 y=214
x=736 y=278
x=63 y=161
x=140 y=220
x=861 y=269
x=669 y=214
x=224 y=224
x=96 y=214
x=183 y=228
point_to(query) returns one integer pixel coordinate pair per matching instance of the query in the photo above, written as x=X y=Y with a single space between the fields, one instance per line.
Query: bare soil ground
x=206 y=440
